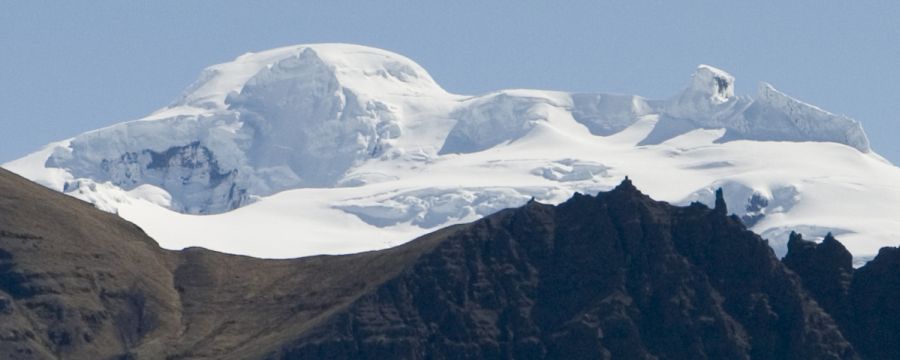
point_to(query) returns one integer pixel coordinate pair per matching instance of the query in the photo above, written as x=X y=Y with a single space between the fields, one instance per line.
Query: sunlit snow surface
x=340 y=148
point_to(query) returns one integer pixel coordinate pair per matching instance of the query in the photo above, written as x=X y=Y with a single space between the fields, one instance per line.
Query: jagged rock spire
x=626 y=185
x=795 y=242
x=720 y=206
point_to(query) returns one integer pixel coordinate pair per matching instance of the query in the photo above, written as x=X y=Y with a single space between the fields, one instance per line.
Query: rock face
x=616 y=276
x=826 y=270
x=865 y=302
x=875 y=297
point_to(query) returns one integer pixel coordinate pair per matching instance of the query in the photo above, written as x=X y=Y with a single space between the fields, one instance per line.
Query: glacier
x=336 y=148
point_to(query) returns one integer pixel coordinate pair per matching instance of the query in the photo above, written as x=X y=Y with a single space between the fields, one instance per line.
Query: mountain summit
x=317 y=147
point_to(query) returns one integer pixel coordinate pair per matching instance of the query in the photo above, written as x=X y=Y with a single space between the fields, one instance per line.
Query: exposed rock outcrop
x=865 y=302
x=875 y=297
x=618 y=276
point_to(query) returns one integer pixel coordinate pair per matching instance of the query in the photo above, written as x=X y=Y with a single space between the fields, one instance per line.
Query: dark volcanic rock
x=616 y=276
x=875 y=297
x=826 y=270
x=720 y=207
x=865 y=302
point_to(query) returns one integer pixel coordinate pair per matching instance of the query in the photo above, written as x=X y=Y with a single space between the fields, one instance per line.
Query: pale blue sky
x=69 y=67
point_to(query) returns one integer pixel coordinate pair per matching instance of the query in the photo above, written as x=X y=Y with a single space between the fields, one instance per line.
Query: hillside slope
x=79 y=283
x=613 y=276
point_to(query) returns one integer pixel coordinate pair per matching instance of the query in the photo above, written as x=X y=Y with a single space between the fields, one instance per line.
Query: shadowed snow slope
x=335 y=148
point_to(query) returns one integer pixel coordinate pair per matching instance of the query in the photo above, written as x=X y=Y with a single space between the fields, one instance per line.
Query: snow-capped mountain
x=334 y=148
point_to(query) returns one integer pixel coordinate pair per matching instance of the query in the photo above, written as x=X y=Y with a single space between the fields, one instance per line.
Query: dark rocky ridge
x=865 y=302
x=613 y=276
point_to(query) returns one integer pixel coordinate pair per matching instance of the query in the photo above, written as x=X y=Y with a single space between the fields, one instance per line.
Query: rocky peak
x=875 y=297
x=626 y=186
x=617 y=275
x=720 y=206
x=826 y=270
x=828 y=254
x=865 y=302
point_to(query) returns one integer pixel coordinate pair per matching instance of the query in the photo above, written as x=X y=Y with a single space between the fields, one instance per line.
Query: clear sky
x=71 y=66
